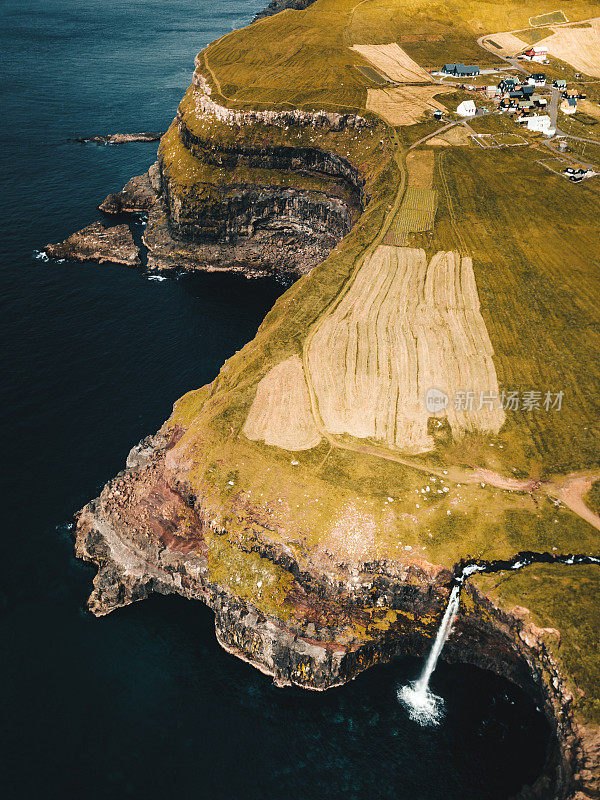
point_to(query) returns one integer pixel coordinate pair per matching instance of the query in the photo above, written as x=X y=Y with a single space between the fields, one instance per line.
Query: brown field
x=420 y=164
x=417 y=212
x=416 y=215
x=579 y=47
x=587 y=107
x=280 y=414
x=509 y=44
x=455 y=137
x=393 y=62
x=405 y=105
x=372 y=75
x=404 y=326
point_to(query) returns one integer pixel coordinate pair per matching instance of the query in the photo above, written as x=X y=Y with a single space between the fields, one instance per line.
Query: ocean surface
x=144 y=703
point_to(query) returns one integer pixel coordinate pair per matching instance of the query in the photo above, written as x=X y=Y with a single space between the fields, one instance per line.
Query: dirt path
x=571 y=490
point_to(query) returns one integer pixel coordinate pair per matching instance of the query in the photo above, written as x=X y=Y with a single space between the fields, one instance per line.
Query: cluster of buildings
x=521 y=99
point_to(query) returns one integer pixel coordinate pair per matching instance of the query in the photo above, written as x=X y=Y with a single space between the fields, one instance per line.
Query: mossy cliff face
x=256 y=191
x=148 y=532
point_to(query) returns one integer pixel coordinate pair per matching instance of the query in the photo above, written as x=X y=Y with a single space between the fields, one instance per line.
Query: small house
x=536 y=79
x=507 y=85
x=467 y=108
x=560 y=83
x=569 y=105
x=539 y=101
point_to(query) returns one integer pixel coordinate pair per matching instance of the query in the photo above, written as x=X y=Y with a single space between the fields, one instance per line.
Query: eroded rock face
x=207 y=107
x=147 y=533
x=137 y=196
x=98 y=243
x=507 y=644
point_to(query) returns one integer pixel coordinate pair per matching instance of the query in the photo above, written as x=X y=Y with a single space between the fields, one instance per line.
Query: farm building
x=460 y=70
x=537 y=53
x=467 y=108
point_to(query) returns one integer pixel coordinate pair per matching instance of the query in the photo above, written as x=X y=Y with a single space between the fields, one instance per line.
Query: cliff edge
x=424 y=395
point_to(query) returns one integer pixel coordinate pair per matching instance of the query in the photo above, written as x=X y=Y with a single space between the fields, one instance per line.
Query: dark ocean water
x=144 y=703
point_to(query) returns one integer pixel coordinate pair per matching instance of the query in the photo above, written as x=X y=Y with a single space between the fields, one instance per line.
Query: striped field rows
x=406 y=325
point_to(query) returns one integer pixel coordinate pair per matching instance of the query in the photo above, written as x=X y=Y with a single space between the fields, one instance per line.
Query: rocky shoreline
x=265 y=192
x=147 y=533
x=98 y=243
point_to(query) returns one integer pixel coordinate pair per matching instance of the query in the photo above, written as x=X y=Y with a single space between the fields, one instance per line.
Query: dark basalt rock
x=98 y=243
x=137 y=196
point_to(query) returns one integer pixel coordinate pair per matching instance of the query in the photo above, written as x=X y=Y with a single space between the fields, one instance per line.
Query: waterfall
x=422 y=705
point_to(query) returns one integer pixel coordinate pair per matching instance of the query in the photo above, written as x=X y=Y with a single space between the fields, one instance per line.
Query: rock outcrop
x=98 y=243
x=275 y=6
x=118 y=138
x=137 y=196
x=147 y=533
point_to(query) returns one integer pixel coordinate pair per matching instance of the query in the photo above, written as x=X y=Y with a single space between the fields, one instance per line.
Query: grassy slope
x=563 y=598
x=532 y=240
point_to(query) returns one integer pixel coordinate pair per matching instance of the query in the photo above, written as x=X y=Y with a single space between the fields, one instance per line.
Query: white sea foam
x=423 y=706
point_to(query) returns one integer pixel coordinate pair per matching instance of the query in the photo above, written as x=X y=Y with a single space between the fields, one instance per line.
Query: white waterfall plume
x=422 y=705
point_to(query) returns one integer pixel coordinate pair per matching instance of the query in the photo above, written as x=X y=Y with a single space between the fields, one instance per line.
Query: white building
x=467 y=108
x=541 y=124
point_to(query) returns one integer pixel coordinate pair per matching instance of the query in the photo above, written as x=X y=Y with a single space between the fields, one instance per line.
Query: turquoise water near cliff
x=144 y=703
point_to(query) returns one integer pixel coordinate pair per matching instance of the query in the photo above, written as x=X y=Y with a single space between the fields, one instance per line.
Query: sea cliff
x=325 y=547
